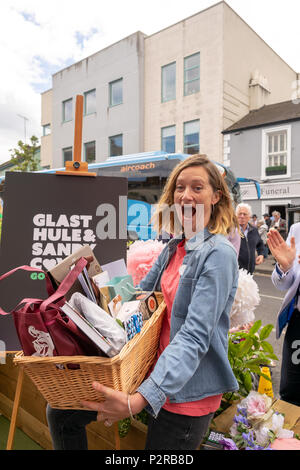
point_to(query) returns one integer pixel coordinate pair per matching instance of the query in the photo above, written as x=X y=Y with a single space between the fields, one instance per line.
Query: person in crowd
x=267 y=219
x=279 y=224
x=286 y=276
x=250 y=240
x=235 y=239
x=197 y=272
x=254 y=220
x=263 y=233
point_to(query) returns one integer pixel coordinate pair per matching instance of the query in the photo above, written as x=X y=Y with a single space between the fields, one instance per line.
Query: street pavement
x=267 y=266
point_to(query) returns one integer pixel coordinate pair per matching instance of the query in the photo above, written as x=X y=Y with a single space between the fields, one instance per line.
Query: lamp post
x=25 y=119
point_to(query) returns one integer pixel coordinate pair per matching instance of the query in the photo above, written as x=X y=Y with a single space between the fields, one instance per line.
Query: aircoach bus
x=147 y=174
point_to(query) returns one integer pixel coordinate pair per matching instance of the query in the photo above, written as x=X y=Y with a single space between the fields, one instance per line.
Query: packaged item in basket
x=123 y=286
x=115 y=306
x=148 y=304
x=131 y=318
x=100 y=319
x=60 y=271
x=100 y=281
x=133 y=325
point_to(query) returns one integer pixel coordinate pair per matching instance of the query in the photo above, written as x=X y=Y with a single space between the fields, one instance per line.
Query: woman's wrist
x=284 y=268
x=136 y=403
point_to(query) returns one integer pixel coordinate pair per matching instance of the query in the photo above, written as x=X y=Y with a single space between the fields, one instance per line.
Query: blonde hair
x=222 y=220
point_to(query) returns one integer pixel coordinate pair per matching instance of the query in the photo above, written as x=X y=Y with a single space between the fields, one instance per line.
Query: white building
x=175 y=90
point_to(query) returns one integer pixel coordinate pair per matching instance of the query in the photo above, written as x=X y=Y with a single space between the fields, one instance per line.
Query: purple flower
x=239 y=419
x=242 y=410
x=251 y=444
x=249 y=439
x=257 y=447
x=228 y=444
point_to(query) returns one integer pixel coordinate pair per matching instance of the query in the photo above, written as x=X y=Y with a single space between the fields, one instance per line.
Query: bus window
x=146 y=189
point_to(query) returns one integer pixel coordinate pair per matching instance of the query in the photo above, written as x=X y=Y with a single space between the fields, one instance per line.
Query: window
x=168 y=82
x=116 y=145
x=168 y=135
x=67 y=110
x=192 y=74
x=191 y=137
x=67 y=154
x=276 y=152
x=90 y=152
x=116 y=92
x=46 y=129
x=90 y=102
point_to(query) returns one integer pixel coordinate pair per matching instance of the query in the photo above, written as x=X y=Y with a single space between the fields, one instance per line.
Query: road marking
x=262 y=274
x=271 y=297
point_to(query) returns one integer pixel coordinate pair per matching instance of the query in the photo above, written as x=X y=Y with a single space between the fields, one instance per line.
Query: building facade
x=175 y=90
x=202 y=75
x=111 y=82
x=265 y=146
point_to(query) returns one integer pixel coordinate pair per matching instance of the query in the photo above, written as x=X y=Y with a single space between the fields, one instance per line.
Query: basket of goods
x=68 y=343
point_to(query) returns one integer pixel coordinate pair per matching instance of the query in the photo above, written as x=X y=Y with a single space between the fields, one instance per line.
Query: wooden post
x=76 y=166
x=12 y=427
x=117 y=436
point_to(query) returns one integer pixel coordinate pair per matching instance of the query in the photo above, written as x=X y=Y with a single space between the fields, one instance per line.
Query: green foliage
x=247 y=352
x=143 y=417
x=23 y=157
x=124 y=424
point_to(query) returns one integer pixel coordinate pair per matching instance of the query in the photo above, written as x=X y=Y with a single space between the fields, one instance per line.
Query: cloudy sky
x=39 y=37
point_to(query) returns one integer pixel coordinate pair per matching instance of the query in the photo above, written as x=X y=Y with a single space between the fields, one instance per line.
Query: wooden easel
x=78 y=168
x=12 y=427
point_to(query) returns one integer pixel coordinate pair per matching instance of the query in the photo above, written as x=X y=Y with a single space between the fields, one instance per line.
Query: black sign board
x=47 y=217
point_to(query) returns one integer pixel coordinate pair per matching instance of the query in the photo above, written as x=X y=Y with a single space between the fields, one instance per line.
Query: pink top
x=169 y=285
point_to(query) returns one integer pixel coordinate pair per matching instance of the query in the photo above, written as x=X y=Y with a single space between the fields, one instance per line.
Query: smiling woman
x=198 y=276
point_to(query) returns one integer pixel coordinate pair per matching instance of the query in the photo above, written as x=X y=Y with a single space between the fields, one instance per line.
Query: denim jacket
x=195 y=364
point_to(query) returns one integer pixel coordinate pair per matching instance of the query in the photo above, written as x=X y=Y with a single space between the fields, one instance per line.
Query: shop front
x=280 y=196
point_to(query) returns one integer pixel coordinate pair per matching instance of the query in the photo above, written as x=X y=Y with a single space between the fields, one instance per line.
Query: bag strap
x=50 y=288
x=66 y=284
x=26 y=302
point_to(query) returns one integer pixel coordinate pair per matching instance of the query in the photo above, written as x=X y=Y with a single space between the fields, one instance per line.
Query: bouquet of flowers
x=141 y=256
x=246 y=300
x=256 y=425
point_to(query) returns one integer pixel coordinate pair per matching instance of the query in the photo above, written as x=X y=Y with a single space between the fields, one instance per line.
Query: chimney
x=259 y=91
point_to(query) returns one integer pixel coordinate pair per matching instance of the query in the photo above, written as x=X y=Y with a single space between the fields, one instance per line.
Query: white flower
x=262 y=435
x=274 y=423
x=277 y=427
x=233 y=430
x=246 y=300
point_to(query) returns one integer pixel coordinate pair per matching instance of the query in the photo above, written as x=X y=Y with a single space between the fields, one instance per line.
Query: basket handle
x=66 y=284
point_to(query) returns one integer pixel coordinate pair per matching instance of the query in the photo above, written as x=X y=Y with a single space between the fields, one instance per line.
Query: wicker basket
x=64 y=387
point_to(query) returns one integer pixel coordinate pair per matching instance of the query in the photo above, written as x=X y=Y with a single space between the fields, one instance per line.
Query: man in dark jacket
x=250 y=241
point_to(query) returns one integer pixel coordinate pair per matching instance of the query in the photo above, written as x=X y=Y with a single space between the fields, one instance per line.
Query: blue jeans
x=169 y=431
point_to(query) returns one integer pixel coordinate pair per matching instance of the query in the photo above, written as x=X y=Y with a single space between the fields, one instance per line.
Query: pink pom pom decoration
x=141 y=256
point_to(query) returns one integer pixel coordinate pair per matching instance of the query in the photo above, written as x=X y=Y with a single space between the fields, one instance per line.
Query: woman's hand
x=282 y=252
x=115 y=404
